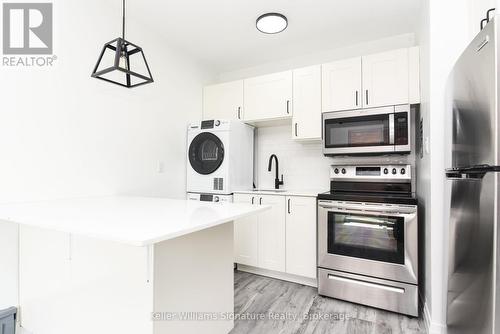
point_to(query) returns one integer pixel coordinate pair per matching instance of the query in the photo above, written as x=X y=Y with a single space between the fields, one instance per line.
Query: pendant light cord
x=123 y=29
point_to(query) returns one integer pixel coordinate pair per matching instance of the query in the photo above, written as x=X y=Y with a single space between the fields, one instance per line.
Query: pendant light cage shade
x=122 y=63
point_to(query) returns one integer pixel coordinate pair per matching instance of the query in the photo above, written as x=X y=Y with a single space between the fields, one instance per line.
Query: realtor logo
x=27 y=28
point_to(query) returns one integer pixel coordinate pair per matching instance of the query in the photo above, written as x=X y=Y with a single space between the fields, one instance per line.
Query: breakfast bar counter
x=125 y=265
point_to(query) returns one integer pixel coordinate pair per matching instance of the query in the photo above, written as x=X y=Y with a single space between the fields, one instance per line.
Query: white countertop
x=138 y=221
x=304 y=193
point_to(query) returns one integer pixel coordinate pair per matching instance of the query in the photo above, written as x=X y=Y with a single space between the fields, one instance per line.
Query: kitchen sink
x=271 y=190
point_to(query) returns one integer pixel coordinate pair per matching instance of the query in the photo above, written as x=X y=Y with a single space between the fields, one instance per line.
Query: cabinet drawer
x=388 y=295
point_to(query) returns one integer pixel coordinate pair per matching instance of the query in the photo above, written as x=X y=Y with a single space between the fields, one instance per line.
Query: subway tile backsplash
x=302 y=163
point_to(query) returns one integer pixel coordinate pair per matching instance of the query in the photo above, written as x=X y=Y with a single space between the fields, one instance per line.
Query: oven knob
x=216 y=198
x=344 y=171
x=394 y=171
x=386 y=171
x=217 y=123
x=403 y=171
x=336 y=171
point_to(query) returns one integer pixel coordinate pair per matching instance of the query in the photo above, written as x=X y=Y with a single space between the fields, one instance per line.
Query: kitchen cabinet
x=301 y=236
x=281 y=240
x=386 y=78
x=341 y=85
x=246 y=235
x=306 y=124
x=268 y=97
x=414 y=73
x=272 y=233
x=223 y=101
x=259 y=241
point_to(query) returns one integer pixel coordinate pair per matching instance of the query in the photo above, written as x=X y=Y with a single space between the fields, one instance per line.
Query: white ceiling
x=222 y=33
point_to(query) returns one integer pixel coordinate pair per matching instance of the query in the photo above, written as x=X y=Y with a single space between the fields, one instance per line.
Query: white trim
x=279 y=275
x=432 y=327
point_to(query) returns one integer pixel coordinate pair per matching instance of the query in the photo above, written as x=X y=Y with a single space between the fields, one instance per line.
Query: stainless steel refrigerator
x=472 y=181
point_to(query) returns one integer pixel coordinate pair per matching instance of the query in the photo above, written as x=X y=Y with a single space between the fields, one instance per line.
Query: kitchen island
x=126 y=265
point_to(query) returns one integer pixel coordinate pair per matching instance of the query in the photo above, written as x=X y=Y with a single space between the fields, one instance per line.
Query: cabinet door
x=268 y=97
x=386 y=79
x=246 y=235
x=272 y=233
x=414 y=74
x=341 y=82
x=223 y=101
x=307 y=103
x=301 y=236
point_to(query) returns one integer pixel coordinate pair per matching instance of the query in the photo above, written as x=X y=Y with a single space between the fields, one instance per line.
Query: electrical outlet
x=161 y=167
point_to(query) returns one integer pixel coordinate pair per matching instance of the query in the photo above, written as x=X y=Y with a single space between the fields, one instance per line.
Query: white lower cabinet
x=301 y=236
x=246 y=235
x=281 y=239
x=272 y=227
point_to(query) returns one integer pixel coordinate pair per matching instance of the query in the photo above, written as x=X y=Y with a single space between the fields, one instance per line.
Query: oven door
x=369 y=239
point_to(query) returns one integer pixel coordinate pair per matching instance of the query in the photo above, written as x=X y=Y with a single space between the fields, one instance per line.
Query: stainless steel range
x=368 y=237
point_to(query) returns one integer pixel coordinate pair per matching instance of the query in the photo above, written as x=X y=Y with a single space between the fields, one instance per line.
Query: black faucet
x=277 y=181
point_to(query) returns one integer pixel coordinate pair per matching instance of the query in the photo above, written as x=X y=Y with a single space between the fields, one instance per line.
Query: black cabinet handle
x=239 y=112
x=260 y=201
x=296 y=131
x=287 y=106
x=367 y=97
x=357 y=98
x=252 y=199
x=289 y=206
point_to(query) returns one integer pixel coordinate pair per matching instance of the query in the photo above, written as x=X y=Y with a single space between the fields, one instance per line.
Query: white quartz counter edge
x=137 y=221
x=299 y=193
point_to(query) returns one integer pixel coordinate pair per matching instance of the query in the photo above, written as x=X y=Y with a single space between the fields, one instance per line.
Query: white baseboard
x=279 y=275
x=432 y=327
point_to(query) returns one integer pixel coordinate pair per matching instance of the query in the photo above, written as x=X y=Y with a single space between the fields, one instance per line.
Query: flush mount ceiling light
x=272 y=23
x=122 y=63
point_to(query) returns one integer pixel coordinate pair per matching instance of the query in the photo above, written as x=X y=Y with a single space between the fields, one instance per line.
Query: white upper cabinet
x=342 y=85
x=306 y=123
x=414 y=56
x=268 y=97
x=223 y=101
x=386 y=78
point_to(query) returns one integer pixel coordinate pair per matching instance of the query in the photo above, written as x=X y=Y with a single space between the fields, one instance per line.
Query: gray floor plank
x=289 y=308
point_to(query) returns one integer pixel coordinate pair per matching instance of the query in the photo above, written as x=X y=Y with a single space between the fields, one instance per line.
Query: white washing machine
x=210 y=198
x=220 y=157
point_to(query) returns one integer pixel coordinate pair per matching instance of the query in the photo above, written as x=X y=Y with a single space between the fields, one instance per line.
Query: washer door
x=206 y=153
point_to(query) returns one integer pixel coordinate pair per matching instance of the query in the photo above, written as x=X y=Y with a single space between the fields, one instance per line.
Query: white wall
x=446 y=29
x=302 y=163
x=64 y=134
x=380 y=45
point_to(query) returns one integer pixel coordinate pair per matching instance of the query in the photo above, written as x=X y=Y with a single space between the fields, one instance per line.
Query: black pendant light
x=123 y=63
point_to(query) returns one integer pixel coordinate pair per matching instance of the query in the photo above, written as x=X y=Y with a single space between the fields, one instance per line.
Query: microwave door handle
x=391 y=129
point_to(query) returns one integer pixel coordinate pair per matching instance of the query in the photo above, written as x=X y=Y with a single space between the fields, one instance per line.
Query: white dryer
x=220 y=157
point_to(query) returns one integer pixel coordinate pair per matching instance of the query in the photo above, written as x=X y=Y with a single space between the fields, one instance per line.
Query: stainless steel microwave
x=367 y=131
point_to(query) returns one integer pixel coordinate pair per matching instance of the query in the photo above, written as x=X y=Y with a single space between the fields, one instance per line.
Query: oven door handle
x=371 y=211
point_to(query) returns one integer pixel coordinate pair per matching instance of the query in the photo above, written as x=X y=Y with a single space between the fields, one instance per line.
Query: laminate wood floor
x=289 y=308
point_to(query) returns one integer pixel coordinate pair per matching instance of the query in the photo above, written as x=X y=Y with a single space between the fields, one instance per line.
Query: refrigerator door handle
x=472 y=172
x=477 y=171
x=464 y=176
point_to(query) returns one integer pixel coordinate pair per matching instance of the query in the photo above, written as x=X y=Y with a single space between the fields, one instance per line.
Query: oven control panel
x=371 y=172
